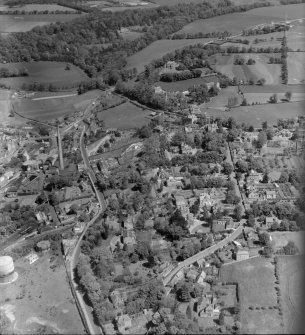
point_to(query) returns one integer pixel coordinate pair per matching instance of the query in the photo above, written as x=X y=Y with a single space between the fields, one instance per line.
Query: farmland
x=158 y=49
x=290 y=286
x=256 y=114
x=256 y=292
x=21 y=23
x=40 y=301
x=296 y=67
x=261 y=68
x=37 y=7
x=54 y=108
x=44 y=72
x=124 y=116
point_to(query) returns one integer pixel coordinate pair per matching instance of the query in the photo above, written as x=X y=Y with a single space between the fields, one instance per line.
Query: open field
x=255 y=115
x=157 y=50
x=295 y=11
x=37 y=7
x=130 y=35
x=296 y=67
x=282 y=238
x=21 y=23
x=183 y=85
x=44 y=72
x=255 y=291
x=221 y=99
x=125 y=116
x=270 y=89
x=291 y=282
x=261 y=68
x=54 y=108
x=40 y=301
x=264 y=97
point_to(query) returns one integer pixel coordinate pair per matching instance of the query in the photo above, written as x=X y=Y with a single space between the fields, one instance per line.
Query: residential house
x=32 y=258
x=201 y=278
x=171 y=65
x=222 y=224
x=254 y=177
x=242 y=255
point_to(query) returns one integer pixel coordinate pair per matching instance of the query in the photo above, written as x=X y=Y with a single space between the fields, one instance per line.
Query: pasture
x=261 y=68
x=45 y=72
x=296 y=67
x=255 y=115
x=158 y=49
x=258 y=300
x=22 y=23
x=221 y=99
x=51 y=109
x=291 y=282
x=37 y=7
x=237 y=22
x=125 y=116
x=282 y=238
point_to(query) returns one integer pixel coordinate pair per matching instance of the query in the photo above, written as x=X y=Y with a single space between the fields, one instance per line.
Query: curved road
x=87 y=310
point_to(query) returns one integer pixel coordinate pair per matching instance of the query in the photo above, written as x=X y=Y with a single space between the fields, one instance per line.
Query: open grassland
x=255 y=278
x=21 y=23
x=183 y=85
x=158 y=49
x=50 y=109
x=255 y=115
x=296 y=67
x=40 y=301
x=221 y=99
x=270 y=89
x=125 y=116
x=36 y=7
x=295 y=11
x=44 y=72
x=261 y=68
x=291 y=286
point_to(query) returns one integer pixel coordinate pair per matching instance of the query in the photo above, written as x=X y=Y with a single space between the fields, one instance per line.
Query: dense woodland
x=82 y=41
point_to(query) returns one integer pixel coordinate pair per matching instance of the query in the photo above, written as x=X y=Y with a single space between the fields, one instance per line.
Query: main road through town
x=87 y=310
x=204 y=253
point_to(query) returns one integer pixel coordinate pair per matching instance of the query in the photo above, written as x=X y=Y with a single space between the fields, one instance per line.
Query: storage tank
x=6 y=266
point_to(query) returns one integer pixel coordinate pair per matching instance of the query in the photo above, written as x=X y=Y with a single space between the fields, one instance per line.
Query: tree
x=288 y=95
x=241 y=166
x=261 y=81
x=284 y=178
x=227 y=168
x=184 y=293
x=238 y=212
x=265 y=125
x=261 y=139
x=264 y=238
x=221 y=319
x=273 y=99
x=265 y=178
x=244 y=102
x=251 y=220
x=290 y=248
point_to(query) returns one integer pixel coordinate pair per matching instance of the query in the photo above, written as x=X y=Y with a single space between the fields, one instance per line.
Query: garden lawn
x=296 y=67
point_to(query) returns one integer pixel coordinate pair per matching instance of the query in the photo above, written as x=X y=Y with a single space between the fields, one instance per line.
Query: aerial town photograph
x=152 y=166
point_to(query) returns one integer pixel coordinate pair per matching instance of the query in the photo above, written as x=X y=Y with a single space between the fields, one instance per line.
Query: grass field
x=221 y=99
x=44 y=72
x=125 y=116
x=21 y=23
x=255 y=291
x=38 y=7
x=40 y=301
x=157 y=50
x=296 y=67
x=255 y=115
x=54 y=108
x=261 y=69
x=291 y=285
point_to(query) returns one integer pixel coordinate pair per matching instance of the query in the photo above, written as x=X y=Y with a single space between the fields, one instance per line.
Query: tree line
x=82 y=40
x=8 y=73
